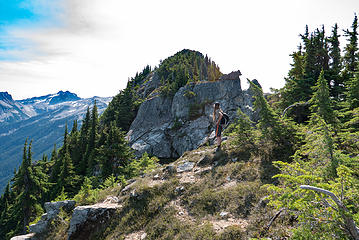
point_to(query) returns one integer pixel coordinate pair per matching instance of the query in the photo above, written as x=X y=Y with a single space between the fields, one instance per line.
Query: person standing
x=217 y=117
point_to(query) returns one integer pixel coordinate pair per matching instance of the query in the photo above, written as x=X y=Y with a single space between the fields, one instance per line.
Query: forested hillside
x=300 y=160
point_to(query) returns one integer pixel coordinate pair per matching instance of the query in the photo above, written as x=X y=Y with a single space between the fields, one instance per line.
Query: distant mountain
x=11 y=110
x=41 y=119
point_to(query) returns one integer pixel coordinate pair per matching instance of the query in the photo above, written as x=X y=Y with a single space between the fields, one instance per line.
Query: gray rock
x=111 y=199
x=30 y=236
x=129 y=186
x=52 y=210
x=179 y=189
x=153 y=129
x=224 y=214
x=143 y=236
x=86 y=219
x=185 y=167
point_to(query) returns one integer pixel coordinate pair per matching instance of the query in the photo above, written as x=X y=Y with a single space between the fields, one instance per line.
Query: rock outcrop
x=52 y=211
x=168 y=126
x=87 y=219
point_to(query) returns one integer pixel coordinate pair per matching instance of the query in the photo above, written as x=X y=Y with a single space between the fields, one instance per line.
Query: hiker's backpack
x=224 y=119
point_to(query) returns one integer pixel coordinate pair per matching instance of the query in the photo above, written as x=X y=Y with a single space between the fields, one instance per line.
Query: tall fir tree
x=351 y=56
x=321 y=102
x=93 y=139
x=83 y=142
x=115 y=154
x=74 y=149
x=28 y=184
x=335 y=66
x=353 y=91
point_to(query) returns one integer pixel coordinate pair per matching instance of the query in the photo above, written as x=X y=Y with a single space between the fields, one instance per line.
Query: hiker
x=221 y=119
x=217 y=117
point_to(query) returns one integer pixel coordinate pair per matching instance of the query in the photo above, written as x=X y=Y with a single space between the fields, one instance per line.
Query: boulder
x=185 y=167
x=52 y=210
x=87 y=220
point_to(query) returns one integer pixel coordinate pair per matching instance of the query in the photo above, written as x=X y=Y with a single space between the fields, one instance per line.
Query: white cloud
x=95 y=45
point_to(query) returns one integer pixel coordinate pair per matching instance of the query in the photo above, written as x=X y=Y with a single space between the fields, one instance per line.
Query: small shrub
x=87 y=195
x=189 y=94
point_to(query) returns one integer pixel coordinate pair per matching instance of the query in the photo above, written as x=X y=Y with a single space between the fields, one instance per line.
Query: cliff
x=168 y=126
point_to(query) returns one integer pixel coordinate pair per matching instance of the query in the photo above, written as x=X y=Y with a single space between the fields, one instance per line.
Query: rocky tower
x=167 y=127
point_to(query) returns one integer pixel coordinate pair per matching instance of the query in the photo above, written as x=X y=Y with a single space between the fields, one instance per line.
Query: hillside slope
x=205 y=194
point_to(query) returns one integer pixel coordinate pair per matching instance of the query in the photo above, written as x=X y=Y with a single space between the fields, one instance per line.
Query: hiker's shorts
x=218 y=130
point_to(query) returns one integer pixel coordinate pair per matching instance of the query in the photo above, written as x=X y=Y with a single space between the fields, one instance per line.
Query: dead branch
x=294 y=105
x=348 y=220
x=272 y=220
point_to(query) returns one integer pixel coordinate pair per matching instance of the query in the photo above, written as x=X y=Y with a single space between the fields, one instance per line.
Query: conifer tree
x=292 y=92
x=6 y=223
x=353 y=91
x=67 y=178
x=115 y=154
x=28 y=185
x=74 y=149
x=84 y=136
x=335 y=65
x=350 y=59
x=274 y=129
x=93 y=138
x=321 y=102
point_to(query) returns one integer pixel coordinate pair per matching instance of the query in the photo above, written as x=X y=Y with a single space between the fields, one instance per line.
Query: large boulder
x=87 y=220
x=52 y=211
x=168 y=126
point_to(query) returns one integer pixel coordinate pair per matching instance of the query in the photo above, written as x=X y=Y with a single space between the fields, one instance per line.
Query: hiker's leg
x=218 y=140
x=219 y=136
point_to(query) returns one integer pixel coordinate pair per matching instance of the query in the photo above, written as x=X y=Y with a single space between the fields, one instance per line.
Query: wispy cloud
x=91 y=47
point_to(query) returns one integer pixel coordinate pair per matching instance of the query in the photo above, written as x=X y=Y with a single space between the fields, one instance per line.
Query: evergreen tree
x=6 y=223
x=292 y=92
x=67 y=178
x=115 y=154
x=84 y=136
x=321 y=102
x=350 y=59
x=335 y=65
x=28 y=184
x=353 y=91
x=280 y=135
x=93 y=138
x=74 y=149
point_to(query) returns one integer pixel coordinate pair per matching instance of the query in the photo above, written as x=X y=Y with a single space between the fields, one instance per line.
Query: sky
x=92 y=47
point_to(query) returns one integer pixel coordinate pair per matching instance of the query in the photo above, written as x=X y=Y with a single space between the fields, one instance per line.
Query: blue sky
x=12 y=11
x=92 y=47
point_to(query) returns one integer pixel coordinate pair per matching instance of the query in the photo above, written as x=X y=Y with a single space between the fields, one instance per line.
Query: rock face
x=167 y=127
x=87 y=219
x=52 y=210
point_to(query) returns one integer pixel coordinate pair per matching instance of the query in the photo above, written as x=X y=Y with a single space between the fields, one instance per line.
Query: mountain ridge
x=41 y=119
